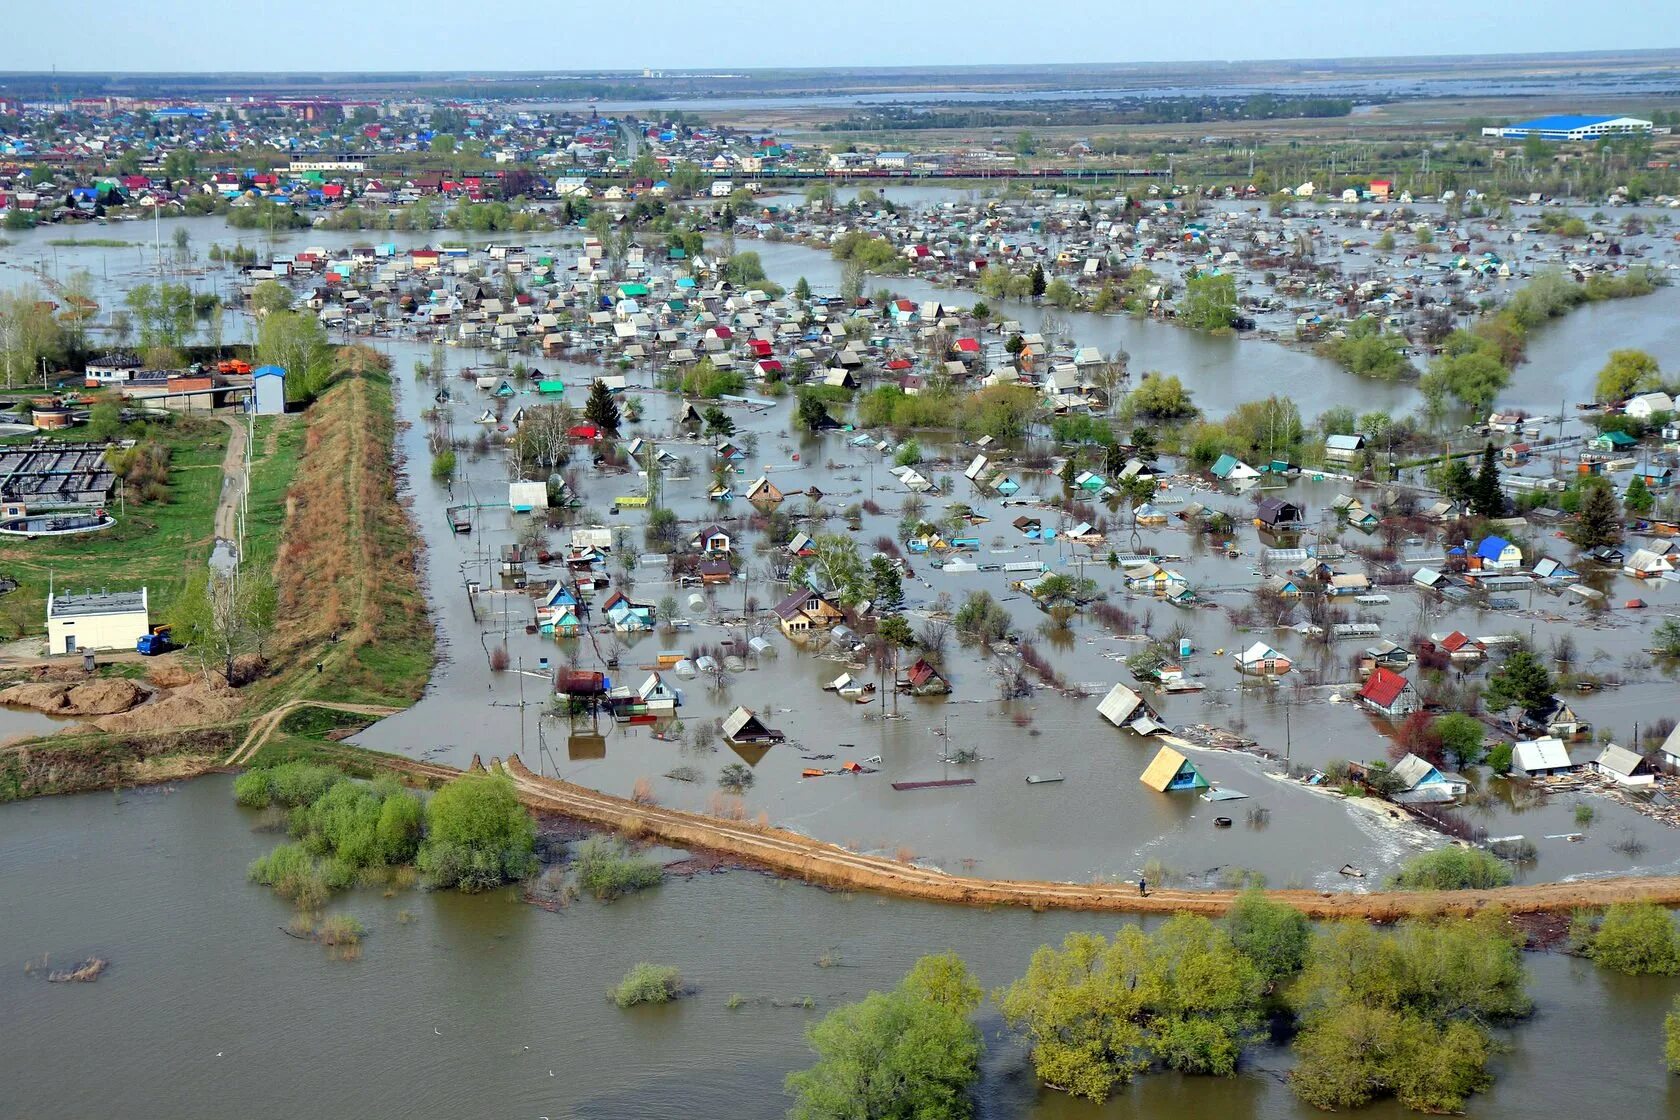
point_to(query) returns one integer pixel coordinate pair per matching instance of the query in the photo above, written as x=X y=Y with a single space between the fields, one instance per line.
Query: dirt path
x=265 y=725
x=233 y=468
x=832 y=866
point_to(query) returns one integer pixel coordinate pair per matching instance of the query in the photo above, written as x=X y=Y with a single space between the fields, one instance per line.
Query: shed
x=268 y=391
x=527 y=497
x=1171 y=771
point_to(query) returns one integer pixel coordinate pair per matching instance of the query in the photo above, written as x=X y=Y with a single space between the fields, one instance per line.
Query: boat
x=1351 y=871
x=1043 y=779
x=1221 y=822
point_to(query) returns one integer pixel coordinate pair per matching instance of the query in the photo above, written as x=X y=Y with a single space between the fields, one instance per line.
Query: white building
x=96 y=620
x=1567 y=127
x=1645 y=405
x=268 y=391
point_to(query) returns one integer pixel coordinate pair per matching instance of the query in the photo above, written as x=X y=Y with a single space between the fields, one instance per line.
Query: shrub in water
x=648 y=983
x=1453 y=869
x=1637 y=938
x=608 y=871
x=477 y=835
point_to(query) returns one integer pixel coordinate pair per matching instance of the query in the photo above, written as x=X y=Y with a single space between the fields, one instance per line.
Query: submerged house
x=805 y=611
x=1624 y=766
x=1421 y=783
x=1261 y=659
x=1541 y=758
x=1388 y=694
x=1170 y=772
x=742 y=726
x=1124 y=708
x=922 y=679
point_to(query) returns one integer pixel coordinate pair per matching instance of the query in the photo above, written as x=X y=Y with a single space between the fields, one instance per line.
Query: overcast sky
x=369 y=35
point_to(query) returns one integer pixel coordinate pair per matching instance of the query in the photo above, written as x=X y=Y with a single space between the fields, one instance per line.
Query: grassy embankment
x=324 y=517
x=350 y=594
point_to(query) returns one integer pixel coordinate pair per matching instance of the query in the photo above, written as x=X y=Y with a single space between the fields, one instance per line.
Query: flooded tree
x=910 y=1052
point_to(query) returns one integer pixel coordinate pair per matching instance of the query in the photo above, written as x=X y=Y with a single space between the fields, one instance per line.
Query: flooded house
x=1388 y=694
x=743 y=726
x=924 y=679
x=806 y=610
x=1124 y=708
x=1261 y=659
x=1420 y=782
x=1542 y=758
x=1170 y=772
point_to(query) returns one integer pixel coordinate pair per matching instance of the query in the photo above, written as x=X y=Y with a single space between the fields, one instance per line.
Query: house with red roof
x=1389 y=694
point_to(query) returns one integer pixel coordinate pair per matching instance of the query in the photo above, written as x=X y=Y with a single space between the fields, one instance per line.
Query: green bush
x=607 y=870
x=1453 y=869
x=477 y=835
x=648 y=983
x=290 y=784
x=1637 y=938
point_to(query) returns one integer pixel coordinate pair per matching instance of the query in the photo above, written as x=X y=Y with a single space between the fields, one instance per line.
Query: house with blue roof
x=1498 y=554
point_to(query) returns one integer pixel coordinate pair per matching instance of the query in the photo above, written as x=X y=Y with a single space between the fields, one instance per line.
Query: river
x=485 y=1006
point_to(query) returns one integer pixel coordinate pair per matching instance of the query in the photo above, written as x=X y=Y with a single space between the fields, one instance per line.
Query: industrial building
x=53 y=475
x=1565 y=127
x=96 y=620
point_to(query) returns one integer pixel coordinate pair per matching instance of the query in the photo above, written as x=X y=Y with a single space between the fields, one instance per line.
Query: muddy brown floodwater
x=207 y=1008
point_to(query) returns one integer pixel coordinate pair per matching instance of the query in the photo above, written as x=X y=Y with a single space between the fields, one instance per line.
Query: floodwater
x=485 y=1006
x=1099 y=822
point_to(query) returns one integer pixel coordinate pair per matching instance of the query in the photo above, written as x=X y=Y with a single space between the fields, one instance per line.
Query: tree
x=297 y=343
x=1405 y=1014
x=1274 y=937
x=164 y=314
x=1599 y=522
x=895 y=628
x=105 y=420
x=1037 y=278
x=1637 y=938
x=886 y=584
x=1665 y=638
x=1638 y=499
x=270 y=295
x=1097 y=1013
x=1161 y=396
x=1474 y=378
x=813 y=413
x=802 y=289
x=443 y=144
x=837 y=565
x=1671 y=1038
x=1461 y=738
x=1210 y=302
x=1522 y=682
x=601 y=408
x=1626 y=373
x=717 y=421
x=908 y=1054
x=1456 y=481
x=1486 y=497
x=28 y=333
x=477 y=834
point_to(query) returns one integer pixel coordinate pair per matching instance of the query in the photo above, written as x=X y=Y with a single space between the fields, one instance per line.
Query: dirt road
x=832 y=866
x=829 y=865
x=265 y=725
x=234 y=484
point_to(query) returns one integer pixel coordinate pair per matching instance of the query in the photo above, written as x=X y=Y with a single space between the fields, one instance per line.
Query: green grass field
x=156 y=545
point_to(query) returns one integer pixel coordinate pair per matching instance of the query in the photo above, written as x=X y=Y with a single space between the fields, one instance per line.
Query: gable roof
x=1167 y=765
x=1384 y=687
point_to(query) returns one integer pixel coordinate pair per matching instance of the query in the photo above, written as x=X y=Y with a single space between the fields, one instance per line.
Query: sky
x=385 y=35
